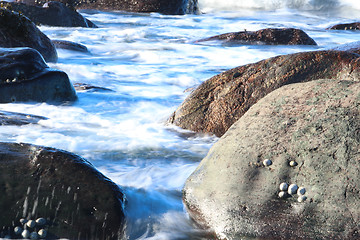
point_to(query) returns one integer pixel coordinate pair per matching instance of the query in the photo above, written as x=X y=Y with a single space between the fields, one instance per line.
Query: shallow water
x=148 y=61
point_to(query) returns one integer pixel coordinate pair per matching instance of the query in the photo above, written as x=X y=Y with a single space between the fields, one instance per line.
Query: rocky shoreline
x=291 y=119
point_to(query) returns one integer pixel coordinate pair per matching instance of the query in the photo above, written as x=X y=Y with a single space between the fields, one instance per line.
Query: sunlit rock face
x=76 y=200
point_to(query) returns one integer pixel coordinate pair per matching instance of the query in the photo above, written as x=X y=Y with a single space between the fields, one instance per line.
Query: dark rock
x=317 y=124
x=161 y=6
x=86 y=87
x=70 y=46
x=77 y=201
x=13 y=118
x=220 y=101
x=51 y=13
x=272 y=36
x=346 y=26
x=17 y=30
x=26 y=77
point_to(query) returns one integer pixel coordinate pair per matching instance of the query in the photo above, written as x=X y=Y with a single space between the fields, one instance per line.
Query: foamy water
x=148 y=61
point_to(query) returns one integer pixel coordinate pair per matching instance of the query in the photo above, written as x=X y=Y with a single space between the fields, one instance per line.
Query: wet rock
x=51 y=13
x=16 y=30
x=77 y=201
x=13 y=118
x=315 y=123
x=220 y=101
x=26 y=77
x=70 y=46
x=346 y=26
x=161 y=6
x=272 y=36
x=86 y=87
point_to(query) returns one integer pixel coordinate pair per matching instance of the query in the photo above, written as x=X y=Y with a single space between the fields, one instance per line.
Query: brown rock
x=273 y=36
x=317 y=125
x=220 y=101
x=346 y=26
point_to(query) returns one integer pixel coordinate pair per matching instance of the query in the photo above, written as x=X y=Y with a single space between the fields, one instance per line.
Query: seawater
x=149 y=62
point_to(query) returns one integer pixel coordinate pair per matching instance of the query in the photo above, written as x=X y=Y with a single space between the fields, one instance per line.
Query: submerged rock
x=315 y=123
x=70 y=46
x=220 y=101
x=13 y=118
x=273 y=36
x=51 y=13
x=26 y=77
x=77 y=201
x=161 y=6
x=346 y=26
x=16 y=30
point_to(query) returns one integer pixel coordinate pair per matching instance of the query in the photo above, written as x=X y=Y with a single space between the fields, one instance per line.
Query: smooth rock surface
x=16 y=30
x=161 y=6
x=26 y=77
x=51 y=13
x=269 y=36
x=318 y=124
x=77 y=201
x=13 y=118
x=77 y=47
x=221 y=100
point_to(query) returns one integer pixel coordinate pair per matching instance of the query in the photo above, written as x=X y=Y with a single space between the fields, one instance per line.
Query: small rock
x=282 y=194
x=23 y=220
x=42 y=233
x=25 y=234
x=292 y=189
x=267 y=162
x=293 y=164
x=284 y=186
x=31 y=223
x=40 y=221
x=301 y=191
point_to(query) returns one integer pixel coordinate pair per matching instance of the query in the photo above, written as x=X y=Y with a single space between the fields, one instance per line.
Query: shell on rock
x=282 y=194
x=292 y=189
x=301 y=191
x=17 y=230
x=267 y=162
x=40 y=221
x=284 y=186
x=34 y=235
x=31 y=223
x=302 y=198
x=23 y=221
x=293 y=164
x=25 y=234
x=42 y=233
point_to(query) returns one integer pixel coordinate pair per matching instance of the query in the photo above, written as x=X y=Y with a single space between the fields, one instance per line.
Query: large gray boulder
x=26 y=77
x=311 y=133
x=221 y=100
x=16 y=30
x=75 y=200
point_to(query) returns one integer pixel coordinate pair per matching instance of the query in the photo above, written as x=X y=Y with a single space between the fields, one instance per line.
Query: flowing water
x=149 y=62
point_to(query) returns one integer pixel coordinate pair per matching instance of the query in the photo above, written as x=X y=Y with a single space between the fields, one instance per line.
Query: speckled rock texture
x=161 y=6
x=77 y=201
x=51 y=13
x=269 y=36
x=26 y=77
x=316 y=124
x=16 y=30
x=221 y=100
x=346 y=26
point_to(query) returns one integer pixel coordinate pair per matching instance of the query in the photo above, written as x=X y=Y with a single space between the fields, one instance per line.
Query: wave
x=215 y=5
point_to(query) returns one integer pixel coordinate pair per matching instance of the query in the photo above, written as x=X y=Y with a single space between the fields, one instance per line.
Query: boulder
x=51 y=13
x=16 y=30
x=220 y=101
x=270 y=36
x=161 y=6
x=13 y=118
x=26 y=77
x=310 y=135
x=77 y=47
x=346 y=26
x=75 y=200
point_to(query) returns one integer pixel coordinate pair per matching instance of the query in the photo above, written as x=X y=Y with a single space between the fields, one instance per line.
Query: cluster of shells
x=29 y=229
